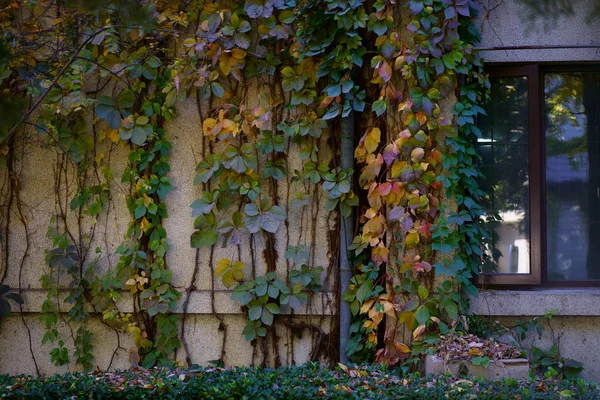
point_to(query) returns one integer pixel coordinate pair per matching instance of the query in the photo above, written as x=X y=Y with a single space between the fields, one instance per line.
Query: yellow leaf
x=360 y=154
x=113 y=135
x=388 y=308
x=238 y=54
x=189 y=42
x=147 y=201
x=475 y=351
x=379 y=254
x=99 y=158
x=372 y=338
x=412 y=240
x=367 y=306
x=222 y=265
x=407 y=318
x=402 y=348
x=228 y=279
x=145 y=225
x=397 y=168
x=238 y=270
x=372 y=140
x=208 y=125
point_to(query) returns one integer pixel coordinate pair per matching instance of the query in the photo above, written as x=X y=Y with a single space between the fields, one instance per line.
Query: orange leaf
x=385 y=71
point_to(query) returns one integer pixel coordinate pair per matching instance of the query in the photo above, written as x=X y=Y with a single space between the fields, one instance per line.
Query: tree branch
x=52 y=84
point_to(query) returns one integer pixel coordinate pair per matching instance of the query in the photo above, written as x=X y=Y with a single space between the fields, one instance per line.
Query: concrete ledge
x=517 y=368
x=322 y=303
x=568 y=302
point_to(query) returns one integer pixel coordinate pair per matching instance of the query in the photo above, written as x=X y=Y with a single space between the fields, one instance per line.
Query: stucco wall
x=515 y=23
x=313 y=226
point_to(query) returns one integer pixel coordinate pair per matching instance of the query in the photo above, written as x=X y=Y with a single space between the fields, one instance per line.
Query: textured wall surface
x=210 y=306
x=517 y=23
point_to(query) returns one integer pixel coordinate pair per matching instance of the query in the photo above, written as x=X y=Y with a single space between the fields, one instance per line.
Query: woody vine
x=271 y=81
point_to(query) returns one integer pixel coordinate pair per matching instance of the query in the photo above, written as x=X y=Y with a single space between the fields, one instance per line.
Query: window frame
x=538 y=276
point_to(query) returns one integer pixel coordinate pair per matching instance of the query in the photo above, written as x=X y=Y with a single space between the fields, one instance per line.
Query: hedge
x=309 y=381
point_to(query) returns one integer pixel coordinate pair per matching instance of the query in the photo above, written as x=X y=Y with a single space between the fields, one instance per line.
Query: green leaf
x=422 y=315
x=217 y=89
x=273 y=308
x=298 y=300
x=267 y=317
x=4 y=308
x=249 y=331
x=126 y=99
x=107 y=110
x=206 y=237
x=255 y=312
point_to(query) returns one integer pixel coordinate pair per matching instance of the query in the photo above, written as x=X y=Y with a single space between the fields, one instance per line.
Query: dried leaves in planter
x=466 y=347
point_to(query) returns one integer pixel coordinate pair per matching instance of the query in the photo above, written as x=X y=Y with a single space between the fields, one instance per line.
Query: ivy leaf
x=273 y=308
x=422 y=315
x=372 y=139
x=207 y=168
x=137 y=130
x=206 y=234
x=450 y=269
x=254 y=312
x=241 y=40
x=412 y=240
x=298 y=255
x=126 y=99
x=4 y=308
x=295 y=299
x=415 y=7
x=379 y=106
x=267 y=217
x=217 y=89
x=448 y=60
x=385 y=71
x=275 y=170
x=204 y=204
x=266 y=317
x=230 y=273
x=242 y=294
x=107 y=110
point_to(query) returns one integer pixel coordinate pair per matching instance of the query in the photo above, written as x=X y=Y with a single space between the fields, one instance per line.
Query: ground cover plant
x=308 y=381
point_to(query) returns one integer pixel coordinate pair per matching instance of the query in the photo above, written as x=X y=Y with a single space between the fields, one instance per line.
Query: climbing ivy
x=416 y=163
x=271 y=81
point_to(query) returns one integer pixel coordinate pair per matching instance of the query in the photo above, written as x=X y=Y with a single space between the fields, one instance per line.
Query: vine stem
x=186 y=303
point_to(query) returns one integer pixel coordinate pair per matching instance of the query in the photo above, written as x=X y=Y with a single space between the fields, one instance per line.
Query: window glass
x=504 y=148
x=572 y=133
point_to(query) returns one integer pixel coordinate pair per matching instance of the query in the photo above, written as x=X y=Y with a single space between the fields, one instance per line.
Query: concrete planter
x=516 y=368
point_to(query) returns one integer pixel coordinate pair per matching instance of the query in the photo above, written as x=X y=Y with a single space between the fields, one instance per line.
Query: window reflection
x=572 y=113
x=504 y=148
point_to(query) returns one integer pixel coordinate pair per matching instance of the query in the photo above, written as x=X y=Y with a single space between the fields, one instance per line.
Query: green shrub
x=308 y=381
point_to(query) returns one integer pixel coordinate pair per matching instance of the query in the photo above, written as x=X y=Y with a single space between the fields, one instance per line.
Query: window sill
x=568 y=302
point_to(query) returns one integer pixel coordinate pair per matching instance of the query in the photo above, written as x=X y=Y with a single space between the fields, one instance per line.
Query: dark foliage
x=308 y=381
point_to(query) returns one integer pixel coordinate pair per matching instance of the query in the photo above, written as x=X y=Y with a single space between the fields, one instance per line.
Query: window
x=540 y=149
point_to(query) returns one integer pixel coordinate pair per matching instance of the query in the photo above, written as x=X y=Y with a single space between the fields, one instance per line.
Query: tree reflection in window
x=572 y=132
x=504 y=149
